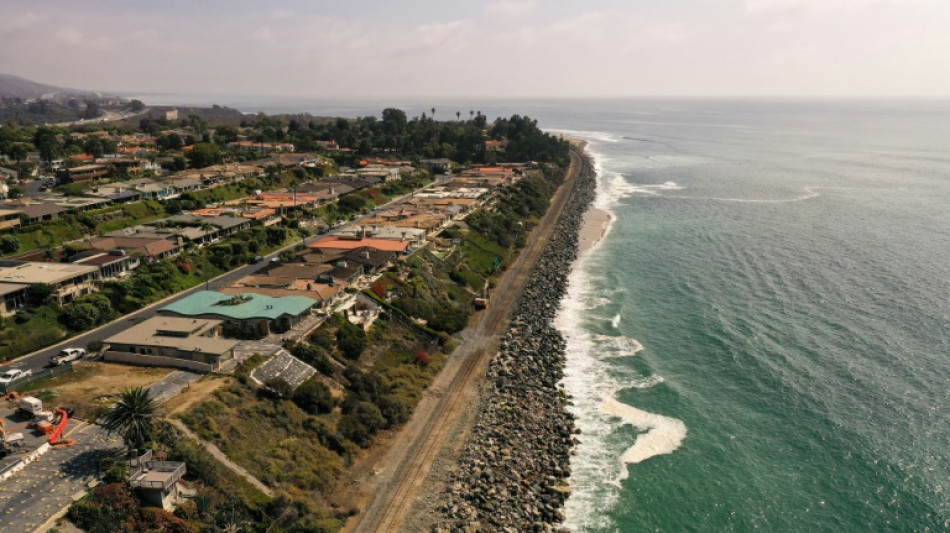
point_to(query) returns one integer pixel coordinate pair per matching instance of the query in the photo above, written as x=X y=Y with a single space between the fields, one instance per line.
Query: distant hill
x=16 y=87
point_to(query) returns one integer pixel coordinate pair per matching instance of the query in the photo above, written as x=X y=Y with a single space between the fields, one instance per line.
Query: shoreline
x=594 y=228
x=513 y=473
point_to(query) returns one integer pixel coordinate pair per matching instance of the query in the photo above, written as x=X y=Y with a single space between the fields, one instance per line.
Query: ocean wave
x=662 y=435
x=623 y=188
x=588 y=135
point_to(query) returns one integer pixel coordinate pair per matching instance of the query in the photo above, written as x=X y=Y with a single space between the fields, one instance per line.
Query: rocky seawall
x=512 y=475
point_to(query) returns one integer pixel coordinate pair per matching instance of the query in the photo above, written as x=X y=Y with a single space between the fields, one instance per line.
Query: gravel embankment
x=513 y=473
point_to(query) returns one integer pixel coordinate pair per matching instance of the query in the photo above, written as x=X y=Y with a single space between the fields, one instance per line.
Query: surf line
x=661 y=435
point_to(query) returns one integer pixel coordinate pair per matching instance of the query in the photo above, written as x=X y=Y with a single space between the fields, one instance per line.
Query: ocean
x=761 y=341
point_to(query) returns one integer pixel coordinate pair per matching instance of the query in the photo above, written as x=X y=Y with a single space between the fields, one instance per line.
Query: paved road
x=47 y=485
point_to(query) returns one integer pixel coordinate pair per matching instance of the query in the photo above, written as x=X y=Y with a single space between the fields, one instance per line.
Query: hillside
x=16 y=87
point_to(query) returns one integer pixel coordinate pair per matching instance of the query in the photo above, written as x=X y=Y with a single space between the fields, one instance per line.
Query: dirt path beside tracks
x=385 y=483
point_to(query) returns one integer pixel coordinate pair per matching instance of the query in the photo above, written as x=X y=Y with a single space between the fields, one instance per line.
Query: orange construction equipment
x=63 y=419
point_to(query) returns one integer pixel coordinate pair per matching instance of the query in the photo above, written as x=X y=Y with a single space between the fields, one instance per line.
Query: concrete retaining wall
x=156 y=360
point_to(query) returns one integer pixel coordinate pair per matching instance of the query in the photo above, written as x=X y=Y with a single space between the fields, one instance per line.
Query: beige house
x=68 y=280
x=192 y=343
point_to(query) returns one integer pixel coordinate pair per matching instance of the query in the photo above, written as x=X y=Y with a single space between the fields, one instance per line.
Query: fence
x=40 y=375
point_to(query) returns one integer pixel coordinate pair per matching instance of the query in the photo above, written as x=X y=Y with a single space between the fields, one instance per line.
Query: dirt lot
x=84 y=389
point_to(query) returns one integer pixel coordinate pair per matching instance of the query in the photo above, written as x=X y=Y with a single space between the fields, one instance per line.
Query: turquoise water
x=785 y=268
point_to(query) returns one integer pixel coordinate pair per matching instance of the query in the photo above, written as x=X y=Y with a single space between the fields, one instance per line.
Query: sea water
x=762 y=340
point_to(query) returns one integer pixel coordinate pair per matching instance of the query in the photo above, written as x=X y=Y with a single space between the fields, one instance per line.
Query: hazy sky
x=370 y=48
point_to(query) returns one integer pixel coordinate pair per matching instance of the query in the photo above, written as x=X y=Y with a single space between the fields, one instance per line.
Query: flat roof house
x=251 y=314
x=81 y=173
x=67 y=280
x=192 y=343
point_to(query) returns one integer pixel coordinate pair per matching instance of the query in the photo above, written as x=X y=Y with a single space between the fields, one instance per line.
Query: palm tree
x=458 y=116
x=433 y=113
x=133 y=417
x=471 y=114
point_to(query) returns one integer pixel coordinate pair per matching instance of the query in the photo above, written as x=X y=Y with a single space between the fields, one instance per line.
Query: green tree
x=204 y=154
x=133 y=417
x=47 y=143
x=9 y=244
x=136 y=106
x=350 y=339
x=38 y=293
x=18 y=152
x=93 y=146
x=314 y=397
x=81 y=316
x=360 y=424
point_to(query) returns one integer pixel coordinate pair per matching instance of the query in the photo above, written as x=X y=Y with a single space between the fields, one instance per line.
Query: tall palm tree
x=133 y=417
x=458 y=116
x=433 y=113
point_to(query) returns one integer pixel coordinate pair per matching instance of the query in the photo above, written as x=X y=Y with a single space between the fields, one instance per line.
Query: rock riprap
x=512 y=475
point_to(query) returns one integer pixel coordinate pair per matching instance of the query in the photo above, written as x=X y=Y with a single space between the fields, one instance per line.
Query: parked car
x=13 y=375
x=258 y=258
x=67 y=355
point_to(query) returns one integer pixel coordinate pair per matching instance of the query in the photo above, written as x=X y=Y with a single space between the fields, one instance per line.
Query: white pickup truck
x=67 y=355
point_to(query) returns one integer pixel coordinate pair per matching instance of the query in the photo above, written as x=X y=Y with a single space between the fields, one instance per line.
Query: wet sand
x=595 y=226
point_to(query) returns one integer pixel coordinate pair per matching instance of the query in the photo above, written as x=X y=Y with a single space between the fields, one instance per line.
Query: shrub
x=278 y=387
x=350 y=339
x=314 y=397
x=362 y=423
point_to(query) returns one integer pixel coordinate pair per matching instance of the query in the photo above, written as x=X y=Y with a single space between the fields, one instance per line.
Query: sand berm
x=513 y=473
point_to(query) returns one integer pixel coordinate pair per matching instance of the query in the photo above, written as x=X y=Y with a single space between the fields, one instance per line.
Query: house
x=381 y=230
x=441 y=165
x=39 y=212
x=243 y=313
x=333 y=242
x=112 y=264
x=323 y=293
x=12 y=297
x=495 y=145
x=156 y=482
x=182 y=342
x=149 y=247
x=9 y=218
x=220 y=226
x=369 y=259
x=81 y=173
x=67 y=280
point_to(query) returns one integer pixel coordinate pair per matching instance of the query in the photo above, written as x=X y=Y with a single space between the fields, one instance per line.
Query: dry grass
x=89 y=389
x=196 y=393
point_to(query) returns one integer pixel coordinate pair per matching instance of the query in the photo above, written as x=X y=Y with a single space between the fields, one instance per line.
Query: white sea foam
x=617 y=346
x=662 y=434
x=622 y=187
x=615 y=321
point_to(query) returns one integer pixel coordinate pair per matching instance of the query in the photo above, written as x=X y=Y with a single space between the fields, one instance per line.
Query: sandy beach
x=595 y=226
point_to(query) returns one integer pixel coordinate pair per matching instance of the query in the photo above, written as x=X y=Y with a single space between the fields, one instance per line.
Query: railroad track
x=394 y=499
